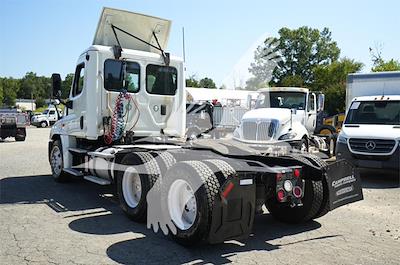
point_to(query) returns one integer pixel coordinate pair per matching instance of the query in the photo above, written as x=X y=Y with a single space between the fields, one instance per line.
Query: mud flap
x=233 y=211
x=344 y=184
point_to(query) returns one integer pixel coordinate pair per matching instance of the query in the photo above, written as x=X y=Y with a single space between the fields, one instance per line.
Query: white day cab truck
x=370 y=137
x=47 y=118
x=286 y=116
x=124 y=125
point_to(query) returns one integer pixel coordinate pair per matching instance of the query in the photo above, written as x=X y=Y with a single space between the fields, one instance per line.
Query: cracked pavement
x=43 y=222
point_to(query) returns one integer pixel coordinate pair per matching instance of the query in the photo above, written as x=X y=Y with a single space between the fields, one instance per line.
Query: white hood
x=372 y=131
x=142 y=26
x=282 y=115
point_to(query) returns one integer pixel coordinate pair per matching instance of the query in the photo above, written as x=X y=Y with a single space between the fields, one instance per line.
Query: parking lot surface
x=43 y=222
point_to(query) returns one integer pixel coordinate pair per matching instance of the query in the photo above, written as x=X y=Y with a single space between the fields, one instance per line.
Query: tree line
x=307 y=57
x=302 y=57
x=30 y=86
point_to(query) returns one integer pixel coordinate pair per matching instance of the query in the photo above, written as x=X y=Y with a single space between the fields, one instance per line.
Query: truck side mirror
x=56 y=84
x=69 y=104
x=321 y=102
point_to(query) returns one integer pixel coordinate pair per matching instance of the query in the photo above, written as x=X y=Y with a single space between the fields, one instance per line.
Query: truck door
x=52 y=116
x=74 y=122
x=311 y=114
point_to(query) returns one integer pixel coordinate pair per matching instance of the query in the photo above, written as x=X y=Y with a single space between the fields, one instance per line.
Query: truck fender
x=66 y=143
x=300 y=131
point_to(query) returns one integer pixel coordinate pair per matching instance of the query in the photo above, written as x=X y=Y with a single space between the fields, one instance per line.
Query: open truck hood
x=142 y=26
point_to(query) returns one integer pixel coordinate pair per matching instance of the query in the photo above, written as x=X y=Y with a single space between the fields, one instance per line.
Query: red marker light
x=279 y=176
x=281 y=195
x=227 y=190
x=297 y=192
x=296 y=172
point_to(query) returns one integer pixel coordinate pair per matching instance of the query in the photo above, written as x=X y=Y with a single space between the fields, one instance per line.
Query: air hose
x=117 y=120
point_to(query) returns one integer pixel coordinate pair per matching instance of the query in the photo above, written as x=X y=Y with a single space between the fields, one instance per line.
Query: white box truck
x=371 y=133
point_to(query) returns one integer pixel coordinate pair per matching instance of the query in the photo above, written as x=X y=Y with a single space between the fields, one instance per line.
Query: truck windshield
x=286 y=100
x=374 y=112
x=45 y=111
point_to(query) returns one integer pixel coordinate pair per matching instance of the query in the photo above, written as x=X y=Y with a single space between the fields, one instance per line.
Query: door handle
x=163 y=110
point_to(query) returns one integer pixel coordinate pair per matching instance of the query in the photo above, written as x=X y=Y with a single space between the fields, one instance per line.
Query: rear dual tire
x=312 y=201
x=141 y=171
x=315 y=200
x=204 y=187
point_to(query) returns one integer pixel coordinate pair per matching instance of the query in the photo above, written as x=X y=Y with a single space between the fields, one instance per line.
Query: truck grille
x=375 y=146
x=259 y=130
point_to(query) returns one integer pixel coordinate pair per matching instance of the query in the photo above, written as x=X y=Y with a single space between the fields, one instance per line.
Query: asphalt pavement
x=43 y=222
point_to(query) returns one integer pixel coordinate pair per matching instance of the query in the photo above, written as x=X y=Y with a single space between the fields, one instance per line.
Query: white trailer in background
x=370 y=136
x=372 y=84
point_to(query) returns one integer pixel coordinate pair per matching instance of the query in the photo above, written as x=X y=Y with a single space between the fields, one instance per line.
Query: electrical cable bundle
x=117 y=121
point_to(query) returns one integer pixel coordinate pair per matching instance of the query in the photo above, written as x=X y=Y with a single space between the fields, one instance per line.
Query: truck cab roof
x=130 y=53
x=284 y=89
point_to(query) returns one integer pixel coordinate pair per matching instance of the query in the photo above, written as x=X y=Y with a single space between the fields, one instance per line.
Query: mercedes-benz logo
x=370 y=145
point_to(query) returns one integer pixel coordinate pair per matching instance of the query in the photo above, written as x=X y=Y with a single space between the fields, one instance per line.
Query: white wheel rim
x=131 y=187
x=44 y=125
x=56 y=161
x=182 y=205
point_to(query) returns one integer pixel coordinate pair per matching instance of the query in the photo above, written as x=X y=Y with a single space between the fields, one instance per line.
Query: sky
x=220 y=36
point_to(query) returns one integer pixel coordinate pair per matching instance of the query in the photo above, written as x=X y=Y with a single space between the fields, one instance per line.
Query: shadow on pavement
x=156 y=248
x=147 y=247
x=75 y=195
x=376 y=179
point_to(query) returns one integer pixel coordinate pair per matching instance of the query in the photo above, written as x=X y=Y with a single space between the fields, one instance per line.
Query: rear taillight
x=297 y=192
x=281 y=195
x=279 y=176
x=297 y=172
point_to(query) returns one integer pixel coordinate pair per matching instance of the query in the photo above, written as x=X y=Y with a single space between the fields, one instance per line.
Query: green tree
x=10 y=87
x=40 y=102
x=254 y=83
x=388 y=66
x=292 y=81
x=331 y=79
x=300 y=51
x=192 y=81
x=66 y=85
x=207 y=83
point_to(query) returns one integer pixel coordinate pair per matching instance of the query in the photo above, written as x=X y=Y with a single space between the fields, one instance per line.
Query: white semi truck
x=124 y=125
x=370 y=136
x=285 y=115
x=47 y=118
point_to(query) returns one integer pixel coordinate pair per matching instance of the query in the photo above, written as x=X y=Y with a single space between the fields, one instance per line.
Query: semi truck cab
x=282 y=114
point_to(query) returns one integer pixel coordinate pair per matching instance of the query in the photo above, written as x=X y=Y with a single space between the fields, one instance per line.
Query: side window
x=52 y=112
x=311 y=102
x=113 y=75
x=78 y=80
x=161 y=80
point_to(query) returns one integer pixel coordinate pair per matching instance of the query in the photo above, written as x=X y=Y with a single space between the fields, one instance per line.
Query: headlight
x=342 y=139
x=288 y=136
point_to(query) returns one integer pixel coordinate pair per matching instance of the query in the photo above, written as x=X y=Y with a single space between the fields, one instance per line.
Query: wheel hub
x=182 y=204
x=131 y=187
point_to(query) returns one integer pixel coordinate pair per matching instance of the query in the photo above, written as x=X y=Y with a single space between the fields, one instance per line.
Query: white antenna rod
x=183 y=44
